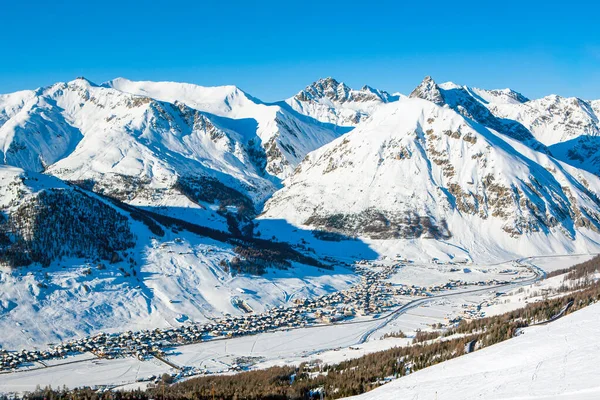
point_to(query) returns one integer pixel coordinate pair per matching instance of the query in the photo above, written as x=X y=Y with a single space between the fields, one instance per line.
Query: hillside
x=555 y=361
x=73 y=263
x=44 y=220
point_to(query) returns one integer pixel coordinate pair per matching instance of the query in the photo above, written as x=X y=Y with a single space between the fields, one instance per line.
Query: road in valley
x=278 y=346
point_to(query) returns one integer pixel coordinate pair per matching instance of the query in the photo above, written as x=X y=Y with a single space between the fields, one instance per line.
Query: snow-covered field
x=553 y=263
x=95 y=372
x=558 y=361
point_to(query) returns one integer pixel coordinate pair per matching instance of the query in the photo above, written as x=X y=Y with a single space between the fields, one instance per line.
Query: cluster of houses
x=371 y=295
x=472 y=311
x=414 y=290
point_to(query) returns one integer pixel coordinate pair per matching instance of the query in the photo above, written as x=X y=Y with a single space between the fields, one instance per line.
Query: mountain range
x=359 y=163
x=144 y=204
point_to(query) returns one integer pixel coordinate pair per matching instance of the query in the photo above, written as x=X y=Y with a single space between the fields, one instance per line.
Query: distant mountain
x=570 y=127
x=416 y=170
x=331 y=101
x=284 y=135
x=567 y=128
x=471 y=103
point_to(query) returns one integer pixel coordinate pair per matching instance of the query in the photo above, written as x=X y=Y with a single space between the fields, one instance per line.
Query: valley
x=283 y=335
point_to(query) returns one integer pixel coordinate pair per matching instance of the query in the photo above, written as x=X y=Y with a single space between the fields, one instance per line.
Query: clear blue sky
x=273 y=49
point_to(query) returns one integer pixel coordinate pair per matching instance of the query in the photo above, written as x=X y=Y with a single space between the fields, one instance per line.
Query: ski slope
x=558 y=361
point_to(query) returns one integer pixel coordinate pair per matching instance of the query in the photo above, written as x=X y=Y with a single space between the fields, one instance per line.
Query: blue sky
x=273 y=49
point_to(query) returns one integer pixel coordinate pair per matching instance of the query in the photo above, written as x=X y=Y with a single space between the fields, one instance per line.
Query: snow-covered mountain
x=452 y=170
x=567 y=128
x=80 y=131
x=460 y=154
x=331 y=101
x=182 y=148
x=416 y=170
x=553 y=119
x=286 y=136
x=570 y=127
x=471 y=103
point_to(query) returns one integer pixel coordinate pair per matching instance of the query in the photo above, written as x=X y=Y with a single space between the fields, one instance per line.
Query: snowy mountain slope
x=136 y=136
x=137 y=149
x=285 y=135
x=554 y=361
x=567 y=128
x=596 y=106
x=33 y=131
x=108 y=268
x=471 y=103
x=553 y=119
x=570 y=127
x=331 y=101
x=417 y=171
x=496 y=96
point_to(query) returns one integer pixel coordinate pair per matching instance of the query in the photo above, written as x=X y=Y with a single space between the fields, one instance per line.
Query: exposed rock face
x=328 y=100
x=335 y=91
x=377 y=224
x=428 y=90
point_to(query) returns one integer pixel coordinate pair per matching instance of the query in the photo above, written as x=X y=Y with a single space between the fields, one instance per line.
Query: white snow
x=553 y=119
x=244 y=114
x=404 y=160
x=331 y=343
x=97 y=372
x=555 y=361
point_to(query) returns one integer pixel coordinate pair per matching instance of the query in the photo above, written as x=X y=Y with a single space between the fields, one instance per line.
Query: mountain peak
x=329 y=81
x=324 y=88
x=335 y=91
x=500 y=95
x=82 y=81
x=428 y=90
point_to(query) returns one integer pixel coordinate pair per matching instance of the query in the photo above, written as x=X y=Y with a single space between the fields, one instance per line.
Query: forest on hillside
x=62 y=223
